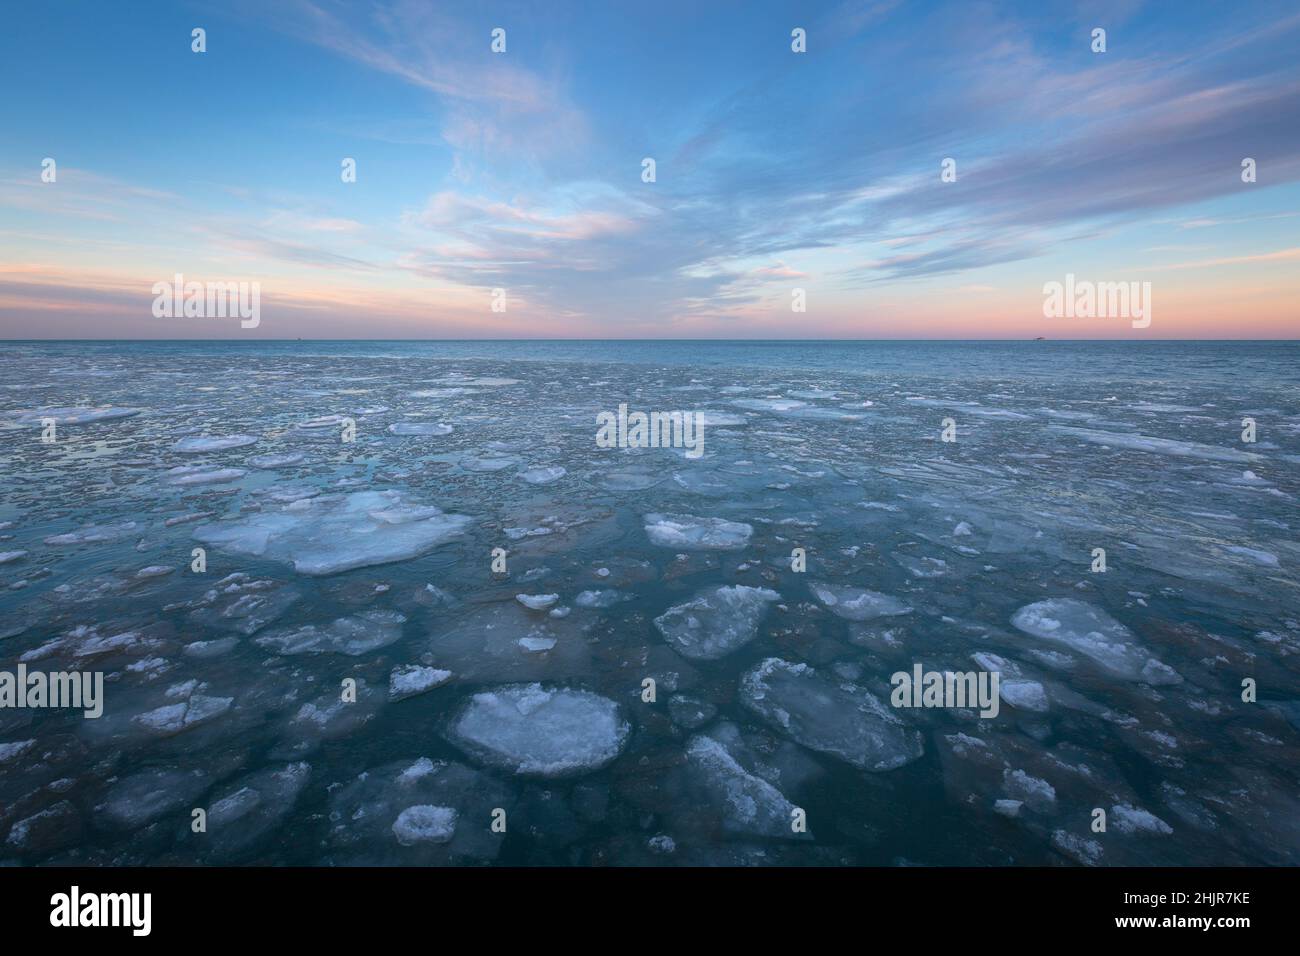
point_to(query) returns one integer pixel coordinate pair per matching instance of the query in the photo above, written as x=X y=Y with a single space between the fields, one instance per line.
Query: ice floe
x=333 y=533
x=832 y=717
x=354 y=635
x=691 y=533
x=533 y=730
x=1092 y=632
x=206 y=443
x=857 y=604
x=716 y=622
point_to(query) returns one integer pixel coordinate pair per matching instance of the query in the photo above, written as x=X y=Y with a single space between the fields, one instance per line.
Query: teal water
x=1122 y=689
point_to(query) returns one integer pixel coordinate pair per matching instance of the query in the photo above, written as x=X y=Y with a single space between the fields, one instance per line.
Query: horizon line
x=262 y=341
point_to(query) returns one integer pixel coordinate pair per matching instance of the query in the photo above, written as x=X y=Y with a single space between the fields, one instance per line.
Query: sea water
x=392 y=602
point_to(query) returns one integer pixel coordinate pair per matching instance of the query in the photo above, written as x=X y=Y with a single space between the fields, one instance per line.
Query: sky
x=775 y=170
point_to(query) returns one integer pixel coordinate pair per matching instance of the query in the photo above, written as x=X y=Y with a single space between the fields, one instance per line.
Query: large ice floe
x=687 y=532
x=333 y=533
x=857 y=604
x=252 y=807
x=830 y=716
x=205 y=443
x=1096 y=635
x=748 y=804
x=716 y=622
x=354 y=635
x=71 y=415
x=537 y=731
x=1159 y=446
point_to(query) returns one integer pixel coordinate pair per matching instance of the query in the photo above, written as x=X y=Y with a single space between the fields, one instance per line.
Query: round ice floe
x=716 y=622
x=1024 y=695
x=201 y=443
x=628 y=479
x=420 y=428
x=324 y=421
x=533 y=730
x=72 y=415
x=275 y=460
x=543 y=476
x=425 y=824
x=833 y=717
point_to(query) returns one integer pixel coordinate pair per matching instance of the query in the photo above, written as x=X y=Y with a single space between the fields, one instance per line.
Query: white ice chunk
x=1130 y=819
x=202 y=443
x=750 y=805
x=857 y=604
x=425 y=824
x=1161 y=446
x=1024 y=695
x=537 y=602
x=691 y=533
x=411 y=679
x=533 y=730
x=716 y=622
x=201 y=475
x=333 y=533
x=1095 y=634
x=420 y=428
x=174 y=718
x=72 y=415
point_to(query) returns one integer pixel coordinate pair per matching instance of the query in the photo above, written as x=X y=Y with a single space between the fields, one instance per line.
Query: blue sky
x=775 y=170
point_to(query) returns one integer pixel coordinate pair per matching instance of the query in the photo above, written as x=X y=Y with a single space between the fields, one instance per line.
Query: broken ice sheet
x=830 y=716
x=507 y=642
x=333 y=533
x=416 y=812
x=1201 y=553
x=857 y=604
x=1090 y=631
x=689 y=532
x=354 y=635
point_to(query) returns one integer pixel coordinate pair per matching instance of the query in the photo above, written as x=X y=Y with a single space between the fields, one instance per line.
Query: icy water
x=519 y=697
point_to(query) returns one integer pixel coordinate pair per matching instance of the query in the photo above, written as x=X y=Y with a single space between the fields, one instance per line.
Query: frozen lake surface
x=482 y=695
